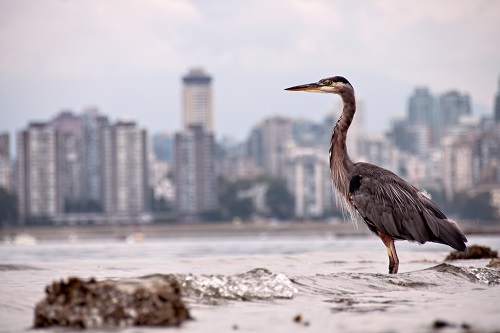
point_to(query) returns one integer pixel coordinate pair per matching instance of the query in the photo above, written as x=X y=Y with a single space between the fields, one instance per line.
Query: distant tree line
x=8 y=207
x=477 y=206
x=278 y=201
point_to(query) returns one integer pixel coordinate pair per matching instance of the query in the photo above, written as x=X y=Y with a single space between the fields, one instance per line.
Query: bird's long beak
x=306 y=87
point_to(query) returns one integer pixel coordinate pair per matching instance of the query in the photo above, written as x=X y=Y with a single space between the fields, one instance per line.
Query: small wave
x=257 y=284
x=442 y=278
x=17 y=267
x=481 y=275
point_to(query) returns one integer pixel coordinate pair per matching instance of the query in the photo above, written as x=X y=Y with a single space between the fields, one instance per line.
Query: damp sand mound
x=95 y=304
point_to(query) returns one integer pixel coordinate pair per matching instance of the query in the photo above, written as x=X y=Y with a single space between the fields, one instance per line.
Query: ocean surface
x=261 y=282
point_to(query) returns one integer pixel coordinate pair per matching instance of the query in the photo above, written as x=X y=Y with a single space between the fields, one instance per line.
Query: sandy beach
x=339 y=280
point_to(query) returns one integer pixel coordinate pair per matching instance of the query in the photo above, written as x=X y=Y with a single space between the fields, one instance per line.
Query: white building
x=37 y=172
x=457 y=166
x=6 y=174
x=129 y=185
x=379 y=150
x=308 y=179
x=276 y=134
x=163 y=187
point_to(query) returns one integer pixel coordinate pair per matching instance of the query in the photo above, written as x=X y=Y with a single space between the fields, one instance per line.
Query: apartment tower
x=197 y=100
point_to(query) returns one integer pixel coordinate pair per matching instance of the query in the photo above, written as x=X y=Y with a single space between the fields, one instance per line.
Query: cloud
x=71 y=38
x=129 y=55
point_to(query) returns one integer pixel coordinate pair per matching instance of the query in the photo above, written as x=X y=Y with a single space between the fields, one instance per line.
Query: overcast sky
x=127 y=57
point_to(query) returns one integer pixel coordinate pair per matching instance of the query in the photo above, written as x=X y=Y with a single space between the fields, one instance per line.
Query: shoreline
x=203 y=229
x=173 y=230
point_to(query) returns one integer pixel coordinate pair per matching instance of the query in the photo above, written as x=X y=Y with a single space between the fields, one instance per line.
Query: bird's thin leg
x=393 y=258
x=391 y=252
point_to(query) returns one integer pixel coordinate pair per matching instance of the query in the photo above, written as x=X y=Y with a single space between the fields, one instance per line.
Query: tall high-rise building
x=399 y=134
x=163 y=146
x=82 y=164
x=496 y=107
x=195 y=179
x=452 y=106
x=37 y=172
x=276 y=133
x=379 y=150
x=125 y=169
x=95 y=156
x=457 y=165
x=5 y=145
x=255 y=147
x=6 y=165
x=423 y=110
x=70 y=157
x=197 y=100
x=307 y=176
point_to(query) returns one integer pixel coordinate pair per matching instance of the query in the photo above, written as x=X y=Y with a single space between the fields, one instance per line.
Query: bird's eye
x=326 y=82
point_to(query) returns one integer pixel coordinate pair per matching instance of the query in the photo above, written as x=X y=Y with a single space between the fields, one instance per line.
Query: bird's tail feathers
x=446 y=231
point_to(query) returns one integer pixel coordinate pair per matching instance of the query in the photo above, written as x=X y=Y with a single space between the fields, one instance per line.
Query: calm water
x=339 y=284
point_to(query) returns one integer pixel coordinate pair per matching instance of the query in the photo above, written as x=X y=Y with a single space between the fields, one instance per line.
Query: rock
x=439 y=324
x=93 y=304
x=473 y=252
x=494 y=263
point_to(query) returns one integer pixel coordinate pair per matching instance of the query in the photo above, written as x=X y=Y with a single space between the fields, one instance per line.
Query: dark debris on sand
x=494 y=263
x=298 y=319
x=92 y=304
x=473 y=252
x=464 y=327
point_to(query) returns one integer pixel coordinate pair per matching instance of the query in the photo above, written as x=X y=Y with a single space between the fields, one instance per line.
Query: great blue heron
x=391 y=208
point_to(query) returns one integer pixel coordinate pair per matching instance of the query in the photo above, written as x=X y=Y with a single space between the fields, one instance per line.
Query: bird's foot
x=393 y=267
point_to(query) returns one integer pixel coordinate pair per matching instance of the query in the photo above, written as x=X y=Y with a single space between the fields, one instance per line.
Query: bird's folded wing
x=399 y=210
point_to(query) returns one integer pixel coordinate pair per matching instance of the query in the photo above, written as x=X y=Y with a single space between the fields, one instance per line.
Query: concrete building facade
x=125 y=170
x=308 y=179
x=195 y=178
x=197 y=105
x=38 y=188
x=6 y=164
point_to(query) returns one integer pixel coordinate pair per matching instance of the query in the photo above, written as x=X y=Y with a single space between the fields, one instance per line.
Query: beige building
x=197 y=100
x=457 y=166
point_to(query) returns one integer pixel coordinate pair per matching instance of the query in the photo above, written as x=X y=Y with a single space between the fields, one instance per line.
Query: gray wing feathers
x=398 y=209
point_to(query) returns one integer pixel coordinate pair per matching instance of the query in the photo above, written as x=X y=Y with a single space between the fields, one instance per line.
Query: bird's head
x=335 y=85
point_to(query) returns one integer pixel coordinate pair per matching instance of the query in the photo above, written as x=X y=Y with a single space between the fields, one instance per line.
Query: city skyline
x=335 y=107
x=127 y=59
x=75 y=160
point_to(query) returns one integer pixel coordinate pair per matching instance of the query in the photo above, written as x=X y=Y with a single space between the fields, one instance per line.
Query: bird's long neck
x=340 y=163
